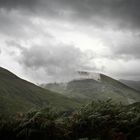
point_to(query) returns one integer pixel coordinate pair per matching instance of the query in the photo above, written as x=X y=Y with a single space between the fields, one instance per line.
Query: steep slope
x=102 y=88
x=130 y=83
x=17 y=95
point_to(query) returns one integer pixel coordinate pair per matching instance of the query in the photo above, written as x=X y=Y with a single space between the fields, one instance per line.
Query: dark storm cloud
x=119 y=13
x=12 y=4
x=35 y=8
x=124 y=13
x=12 y=23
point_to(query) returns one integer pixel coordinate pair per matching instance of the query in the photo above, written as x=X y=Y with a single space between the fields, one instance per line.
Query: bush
x=97 y=120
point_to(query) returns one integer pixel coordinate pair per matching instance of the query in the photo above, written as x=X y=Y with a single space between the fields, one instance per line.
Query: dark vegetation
x=95 y=121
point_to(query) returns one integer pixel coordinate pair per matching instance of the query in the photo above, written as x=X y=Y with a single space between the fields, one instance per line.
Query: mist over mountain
x=90 y=86
x=18 y=95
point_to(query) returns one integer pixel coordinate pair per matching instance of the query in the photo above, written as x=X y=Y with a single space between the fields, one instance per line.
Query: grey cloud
x=13 y=24
x=131 y=73
x=130 y=52
x=122 y=13
x=15 y=17
x=34 y=8
x=16 y=25
x=12 y=4
x=59 y=63
x=128 y=48
x=12 y=44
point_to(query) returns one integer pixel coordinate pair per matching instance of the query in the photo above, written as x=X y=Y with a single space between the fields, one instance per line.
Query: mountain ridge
x=103 y=87
x=18 y=95
x=131 y=83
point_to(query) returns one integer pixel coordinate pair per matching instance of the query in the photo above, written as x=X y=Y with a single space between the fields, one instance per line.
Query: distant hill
x=130 y=83
x=90 y=86
x=18 y=95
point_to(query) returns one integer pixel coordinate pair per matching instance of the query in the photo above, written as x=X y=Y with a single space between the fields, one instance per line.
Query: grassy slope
x=17 y=95
x=89 y=89
x=133 y=84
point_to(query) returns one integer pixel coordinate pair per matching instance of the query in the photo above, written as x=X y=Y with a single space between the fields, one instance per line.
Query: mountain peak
x=88 y=86
x=89 y=75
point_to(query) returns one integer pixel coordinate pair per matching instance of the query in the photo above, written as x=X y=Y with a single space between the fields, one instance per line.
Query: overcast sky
x=47 y=40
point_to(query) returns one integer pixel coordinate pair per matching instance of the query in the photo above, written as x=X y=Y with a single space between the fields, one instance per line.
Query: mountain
x=18 y=95
x=130 y=83
x=93 y=86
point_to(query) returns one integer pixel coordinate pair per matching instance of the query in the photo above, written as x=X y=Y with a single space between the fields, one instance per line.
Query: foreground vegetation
x=97 y=120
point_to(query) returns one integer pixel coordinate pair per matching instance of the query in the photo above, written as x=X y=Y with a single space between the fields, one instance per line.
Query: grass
x=90 y=89
x=18 y=95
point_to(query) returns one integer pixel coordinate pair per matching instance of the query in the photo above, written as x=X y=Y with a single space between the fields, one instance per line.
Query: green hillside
x=130 y=83
x=18 y=95
x=90 y=89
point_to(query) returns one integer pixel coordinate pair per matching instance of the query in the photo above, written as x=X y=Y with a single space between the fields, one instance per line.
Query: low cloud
x=57 y=63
